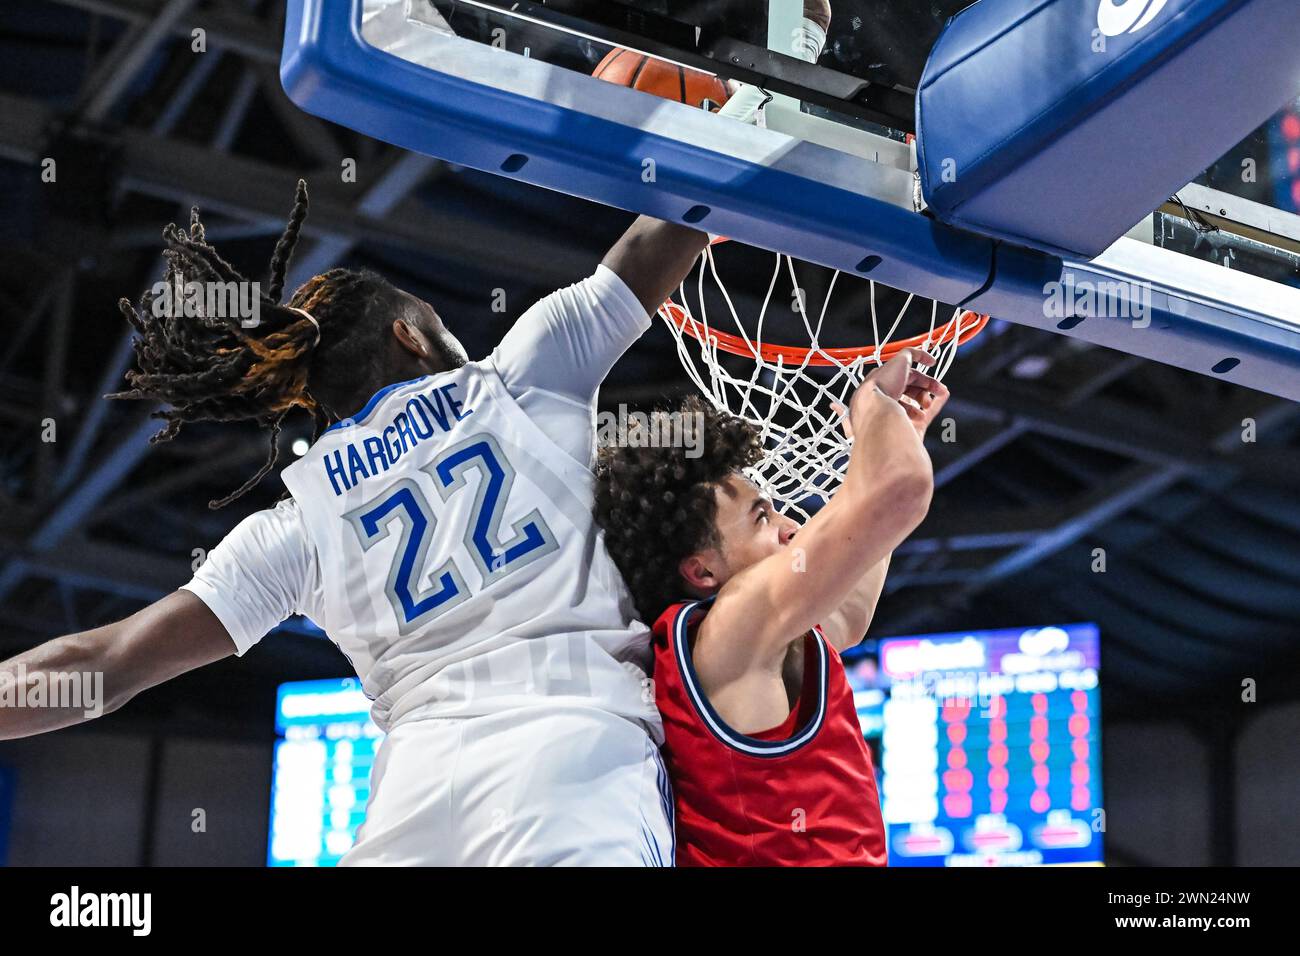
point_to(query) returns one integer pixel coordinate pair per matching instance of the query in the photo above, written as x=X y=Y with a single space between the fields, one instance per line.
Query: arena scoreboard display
x=321 y=782
x=988 y=745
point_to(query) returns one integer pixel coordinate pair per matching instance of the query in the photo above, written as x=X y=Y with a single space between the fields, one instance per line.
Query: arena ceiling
x=1062 y=448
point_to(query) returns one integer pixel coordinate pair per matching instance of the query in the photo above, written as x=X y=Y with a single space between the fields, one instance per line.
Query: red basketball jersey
x=800 y=794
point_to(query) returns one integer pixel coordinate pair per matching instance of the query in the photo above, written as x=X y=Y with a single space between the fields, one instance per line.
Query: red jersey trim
x=753 y=746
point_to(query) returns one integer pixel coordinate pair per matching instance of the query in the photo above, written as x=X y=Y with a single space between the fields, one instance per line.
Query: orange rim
x=964 y=327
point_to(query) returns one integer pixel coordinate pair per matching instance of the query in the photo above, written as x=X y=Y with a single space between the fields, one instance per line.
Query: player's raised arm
x=566 y=343
x=847 y=625
x=162 y=641
x=885 y=494
x=653 y=257
x=818 y=11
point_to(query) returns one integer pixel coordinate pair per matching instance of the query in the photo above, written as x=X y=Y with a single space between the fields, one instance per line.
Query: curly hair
x=657 y=505
x=208 y=367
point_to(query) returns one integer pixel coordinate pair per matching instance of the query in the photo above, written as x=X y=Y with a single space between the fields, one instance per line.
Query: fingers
x=920 y=394
x=921 y=380
x=924 y=397
x=928 y=403
x=894 y=376
x=846 y=424
x=917 y=400
x=927 y=393
x=918 y=357
x=938 y=401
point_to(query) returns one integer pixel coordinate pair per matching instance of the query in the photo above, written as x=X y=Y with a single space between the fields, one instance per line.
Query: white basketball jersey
x=462 y=568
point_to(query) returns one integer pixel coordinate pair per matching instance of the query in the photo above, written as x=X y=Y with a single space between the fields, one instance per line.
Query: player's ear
x=698 y=574
x=411 y=338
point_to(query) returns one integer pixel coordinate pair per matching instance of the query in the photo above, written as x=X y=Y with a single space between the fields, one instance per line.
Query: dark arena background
x=1088 y=498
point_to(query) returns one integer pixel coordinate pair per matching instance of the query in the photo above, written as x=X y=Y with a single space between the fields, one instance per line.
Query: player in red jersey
x=762 y=740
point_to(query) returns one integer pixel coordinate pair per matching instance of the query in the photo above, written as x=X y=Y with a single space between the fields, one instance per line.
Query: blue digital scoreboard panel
x=1286 y=141
x=988 y=745
x=327 y=743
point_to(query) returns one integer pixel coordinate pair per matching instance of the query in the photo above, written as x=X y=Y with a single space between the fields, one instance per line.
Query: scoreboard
x=989 y=745
x=1286 y=139
x=326 y=745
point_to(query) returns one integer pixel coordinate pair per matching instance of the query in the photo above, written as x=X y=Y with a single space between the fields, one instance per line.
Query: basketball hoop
x=789 y=390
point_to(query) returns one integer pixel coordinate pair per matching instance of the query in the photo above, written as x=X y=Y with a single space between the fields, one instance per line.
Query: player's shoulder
x=285 y=511
x=680 y=618
x=273 y=534
x=402 y=393
x=266 y=546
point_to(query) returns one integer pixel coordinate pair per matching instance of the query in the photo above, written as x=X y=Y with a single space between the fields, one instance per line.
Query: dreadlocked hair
x=210 y=368
x=657 y=505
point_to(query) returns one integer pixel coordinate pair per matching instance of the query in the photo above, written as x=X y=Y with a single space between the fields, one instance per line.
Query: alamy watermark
x=64 y=690
x=223 y=300
x=627 y=429
x=133 y=911
x=1085 y=299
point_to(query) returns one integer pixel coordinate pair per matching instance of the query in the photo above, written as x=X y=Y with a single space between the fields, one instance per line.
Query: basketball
x=660 y=78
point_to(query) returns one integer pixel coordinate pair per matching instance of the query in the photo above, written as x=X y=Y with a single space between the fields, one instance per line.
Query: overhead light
x=300 y=446
x=1031 y=366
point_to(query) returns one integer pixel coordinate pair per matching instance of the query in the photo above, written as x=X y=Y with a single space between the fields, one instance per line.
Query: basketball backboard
x=505 y=86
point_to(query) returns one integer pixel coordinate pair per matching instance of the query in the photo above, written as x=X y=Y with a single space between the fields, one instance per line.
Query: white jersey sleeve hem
x=226 y=612
x=261 y=573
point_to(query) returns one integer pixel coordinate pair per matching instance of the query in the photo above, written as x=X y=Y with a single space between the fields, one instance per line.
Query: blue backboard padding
x=1179 y=331
x=329 y=70
x=1051 y=142
x=805 y=200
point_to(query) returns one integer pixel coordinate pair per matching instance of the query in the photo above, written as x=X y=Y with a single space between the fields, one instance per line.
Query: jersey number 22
x=405 y=508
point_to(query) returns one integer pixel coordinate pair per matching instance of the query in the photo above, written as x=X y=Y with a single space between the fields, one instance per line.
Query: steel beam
x=121 y=67
x=71 y=510
x=403 y=174
x=125 y=572
x=189 y=173
x=1112 y=499
x=251 y=37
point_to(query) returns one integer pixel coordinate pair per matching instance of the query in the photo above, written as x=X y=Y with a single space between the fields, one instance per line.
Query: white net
x=790 y=392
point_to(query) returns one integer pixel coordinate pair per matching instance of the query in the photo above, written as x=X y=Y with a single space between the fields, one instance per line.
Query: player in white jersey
x=440 y=531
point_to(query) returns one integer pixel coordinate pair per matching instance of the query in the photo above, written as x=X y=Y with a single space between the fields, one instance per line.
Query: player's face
x=749 y=527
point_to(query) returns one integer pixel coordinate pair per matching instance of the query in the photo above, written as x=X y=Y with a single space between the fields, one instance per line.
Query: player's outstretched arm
x=818 y=11
x=162 y=641
x=847 y=625
x=567 y=343
x=653 y=257
x=885 y=494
